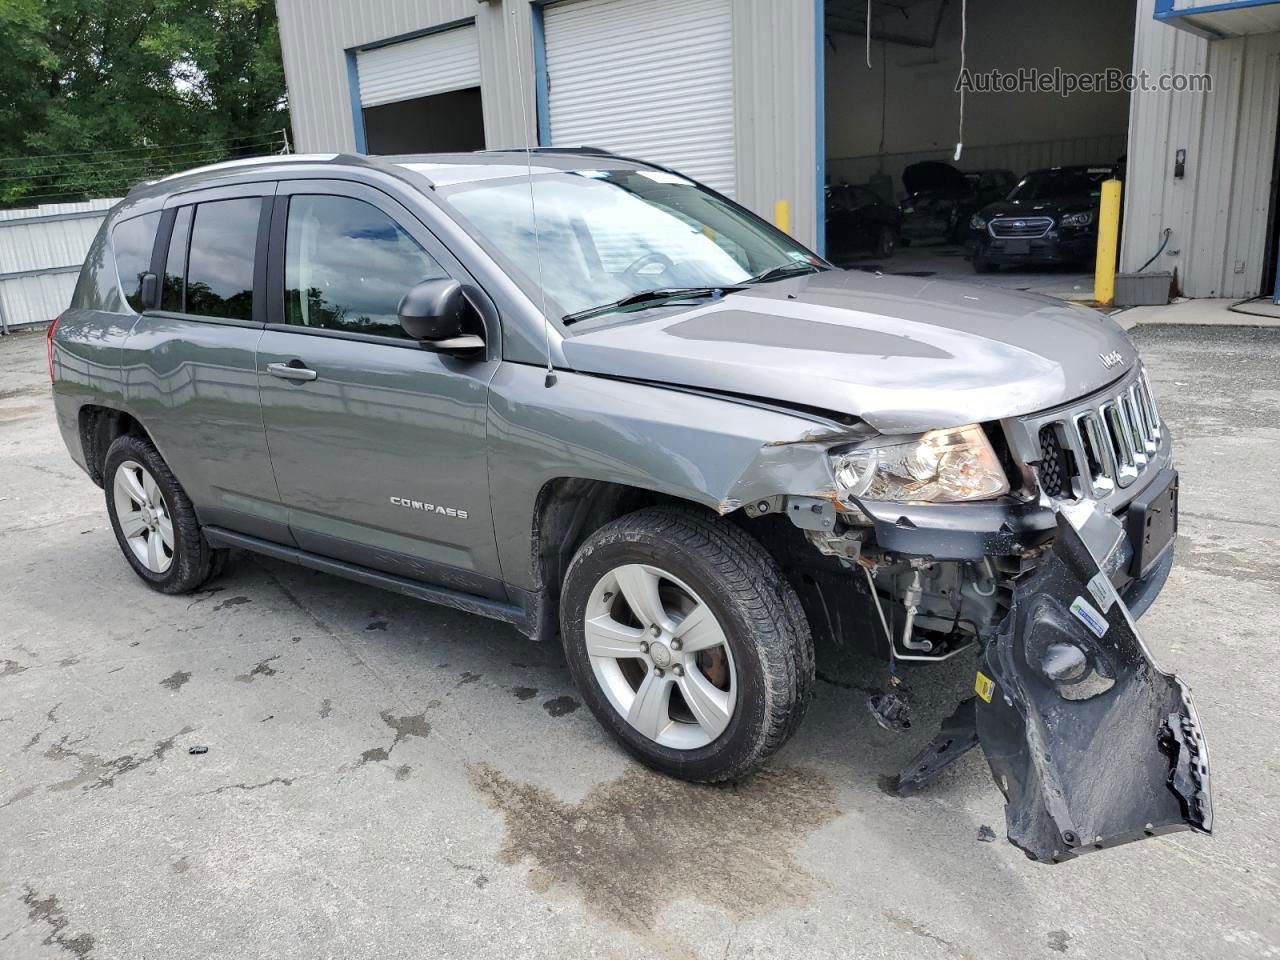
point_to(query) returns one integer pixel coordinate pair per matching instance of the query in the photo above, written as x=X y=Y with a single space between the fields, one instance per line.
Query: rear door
x=188 y=367
x=378 y=445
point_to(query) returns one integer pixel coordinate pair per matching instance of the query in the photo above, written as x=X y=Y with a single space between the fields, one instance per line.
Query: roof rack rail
x=587 y=151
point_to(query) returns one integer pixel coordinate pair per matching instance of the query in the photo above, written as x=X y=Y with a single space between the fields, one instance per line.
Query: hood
x=904 y=354
x=1056 y=207
x=937 y=177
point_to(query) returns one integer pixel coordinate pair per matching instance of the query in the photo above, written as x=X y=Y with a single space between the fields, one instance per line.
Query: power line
x=164 y=146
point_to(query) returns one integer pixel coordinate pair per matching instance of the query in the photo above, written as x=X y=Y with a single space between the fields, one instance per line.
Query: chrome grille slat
x=1020 y=228
x=1113 y=436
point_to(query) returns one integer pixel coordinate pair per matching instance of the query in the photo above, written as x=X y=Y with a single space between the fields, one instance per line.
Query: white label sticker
x=1103 y=592
x=1090 y=617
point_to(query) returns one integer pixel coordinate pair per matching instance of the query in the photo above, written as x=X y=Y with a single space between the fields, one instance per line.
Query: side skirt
x=466 y=602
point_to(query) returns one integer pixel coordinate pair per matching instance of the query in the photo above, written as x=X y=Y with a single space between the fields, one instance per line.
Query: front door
x=378 y=445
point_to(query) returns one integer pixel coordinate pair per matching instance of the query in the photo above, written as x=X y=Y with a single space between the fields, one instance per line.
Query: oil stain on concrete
x=97 y=772
x=657 y=827
x=560 y=706
x=262 y=668
x=48 y=910
x=175 y=680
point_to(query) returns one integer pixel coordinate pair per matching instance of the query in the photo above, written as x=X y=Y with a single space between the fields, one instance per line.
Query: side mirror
x=150 y=295
x=432 y=313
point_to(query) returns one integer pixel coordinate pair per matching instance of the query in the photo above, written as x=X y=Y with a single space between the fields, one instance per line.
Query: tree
x=98 y=94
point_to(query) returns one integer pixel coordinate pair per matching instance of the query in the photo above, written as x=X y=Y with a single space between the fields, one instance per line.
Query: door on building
x=651 y=79
x=422 y=95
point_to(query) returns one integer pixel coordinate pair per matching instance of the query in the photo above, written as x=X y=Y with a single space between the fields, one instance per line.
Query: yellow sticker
x=984 y=686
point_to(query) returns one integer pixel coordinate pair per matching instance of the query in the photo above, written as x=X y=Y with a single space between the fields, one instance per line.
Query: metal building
x=736 y=93
x=723 y=89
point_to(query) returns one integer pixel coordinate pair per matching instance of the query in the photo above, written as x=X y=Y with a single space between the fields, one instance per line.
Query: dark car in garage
x=939 y=200
x=859 y=222
x=1050 y=217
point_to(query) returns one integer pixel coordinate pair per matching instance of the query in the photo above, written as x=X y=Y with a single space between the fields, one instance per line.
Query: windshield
x=1059 y=184
x=606 y=234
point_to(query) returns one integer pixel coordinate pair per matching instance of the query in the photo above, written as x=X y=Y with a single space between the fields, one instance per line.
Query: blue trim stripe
x=1165 y=9
x=357 y=112
x=542 y=83
x=820 y=119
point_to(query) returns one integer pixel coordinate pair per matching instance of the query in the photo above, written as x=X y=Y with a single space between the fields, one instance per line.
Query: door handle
x=294 y=370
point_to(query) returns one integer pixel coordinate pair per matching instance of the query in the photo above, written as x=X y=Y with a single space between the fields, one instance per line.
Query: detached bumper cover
x=1090 y=742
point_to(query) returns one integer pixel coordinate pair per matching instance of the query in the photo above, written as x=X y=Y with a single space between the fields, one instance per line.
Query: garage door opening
x=896 y=198
x=421 y=95
x=444 y=123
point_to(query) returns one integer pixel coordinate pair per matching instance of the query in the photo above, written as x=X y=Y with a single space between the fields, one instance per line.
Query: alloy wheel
x=143 y=516
x=660 y=656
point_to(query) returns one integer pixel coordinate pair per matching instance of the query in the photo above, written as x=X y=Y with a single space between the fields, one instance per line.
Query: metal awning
x=1220 y=20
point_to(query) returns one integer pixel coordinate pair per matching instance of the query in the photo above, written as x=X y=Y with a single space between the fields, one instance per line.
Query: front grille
x=1020 y=228
x=1057 y=466
x=1103 y=444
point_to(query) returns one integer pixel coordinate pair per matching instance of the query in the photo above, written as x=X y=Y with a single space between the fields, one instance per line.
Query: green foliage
x=98 y=94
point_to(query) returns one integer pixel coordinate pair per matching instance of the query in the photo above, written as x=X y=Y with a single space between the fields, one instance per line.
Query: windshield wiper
x=642 y=297
x=792 y=269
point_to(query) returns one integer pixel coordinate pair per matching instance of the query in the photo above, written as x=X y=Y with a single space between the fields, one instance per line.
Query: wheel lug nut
x=678 y=670
x=657 y=671
x=675 y=643
x=644 y=646
x=657 y=630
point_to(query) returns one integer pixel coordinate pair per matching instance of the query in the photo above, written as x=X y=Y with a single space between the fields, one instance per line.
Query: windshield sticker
x=1102 y=590
x=662 y=176
x=1090 y=617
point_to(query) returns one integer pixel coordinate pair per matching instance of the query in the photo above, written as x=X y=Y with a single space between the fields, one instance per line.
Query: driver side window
x=347 y=264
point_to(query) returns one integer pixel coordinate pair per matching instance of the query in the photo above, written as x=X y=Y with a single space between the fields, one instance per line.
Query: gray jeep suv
x=587 y=396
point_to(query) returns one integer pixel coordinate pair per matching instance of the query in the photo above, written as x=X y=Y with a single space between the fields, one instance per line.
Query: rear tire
x=886 y=242
x=710 y=669
x=154 y=520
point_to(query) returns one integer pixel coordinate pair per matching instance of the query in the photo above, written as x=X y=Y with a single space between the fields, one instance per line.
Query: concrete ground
x=947 y=260
x=388 y=779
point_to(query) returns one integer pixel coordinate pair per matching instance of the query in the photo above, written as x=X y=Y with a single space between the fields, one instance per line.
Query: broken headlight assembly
x=954 y=465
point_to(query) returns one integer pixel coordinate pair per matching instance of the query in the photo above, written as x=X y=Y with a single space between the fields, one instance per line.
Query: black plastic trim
x=466 y=602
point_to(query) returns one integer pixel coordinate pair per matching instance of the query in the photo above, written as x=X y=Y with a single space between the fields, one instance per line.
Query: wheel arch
x=100 y=427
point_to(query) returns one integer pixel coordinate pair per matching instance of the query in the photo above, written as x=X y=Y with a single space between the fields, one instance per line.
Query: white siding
x=651 y=79
x=1218 y=211
x=316 y=34
x=437 y=63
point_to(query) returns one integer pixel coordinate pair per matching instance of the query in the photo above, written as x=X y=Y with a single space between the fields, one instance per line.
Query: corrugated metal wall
x=315 y=35
x=1218 y=212
x=774 y=77
x=41 y=249
x=776 y=109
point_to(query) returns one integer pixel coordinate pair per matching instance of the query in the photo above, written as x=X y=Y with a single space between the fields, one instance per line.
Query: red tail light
x=48 y=342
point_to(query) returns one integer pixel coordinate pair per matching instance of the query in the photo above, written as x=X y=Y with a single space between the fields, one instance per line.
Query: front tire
x=687 y=643
x=154 y=521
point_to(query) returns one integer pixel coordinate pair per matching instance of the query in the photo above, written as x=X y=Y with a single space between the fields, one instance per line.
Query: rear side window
x=347 y=265
x=132 y=241
x=224 y=236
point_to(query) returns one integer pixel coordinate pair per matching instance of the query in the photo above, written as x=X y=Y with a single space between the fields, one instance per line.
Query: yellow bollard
x=1104 y=279
x=782 y=216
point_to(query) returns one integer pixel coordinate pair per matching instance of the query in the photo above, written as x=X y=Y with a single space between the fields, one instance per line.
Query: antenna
x=533 y=207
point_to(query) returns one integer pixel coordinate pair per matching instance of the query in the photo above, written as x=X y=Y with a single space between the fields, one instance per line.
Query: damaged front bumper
x=1090 y=742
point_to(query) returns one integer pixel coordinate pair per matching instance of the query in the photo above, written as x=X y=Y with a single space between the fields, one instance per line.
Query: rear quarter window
x=131 y=241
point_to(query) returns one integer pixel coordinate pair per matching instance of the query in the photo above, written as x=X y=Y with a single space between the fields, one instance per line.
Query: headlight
x=1078 y=219
x=943 y=466
x=977 y=222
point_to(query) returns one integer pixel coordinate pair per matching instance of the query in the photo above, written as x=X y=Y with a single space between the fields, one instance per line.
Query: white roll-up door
x=651 y=79
x=436 y=63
